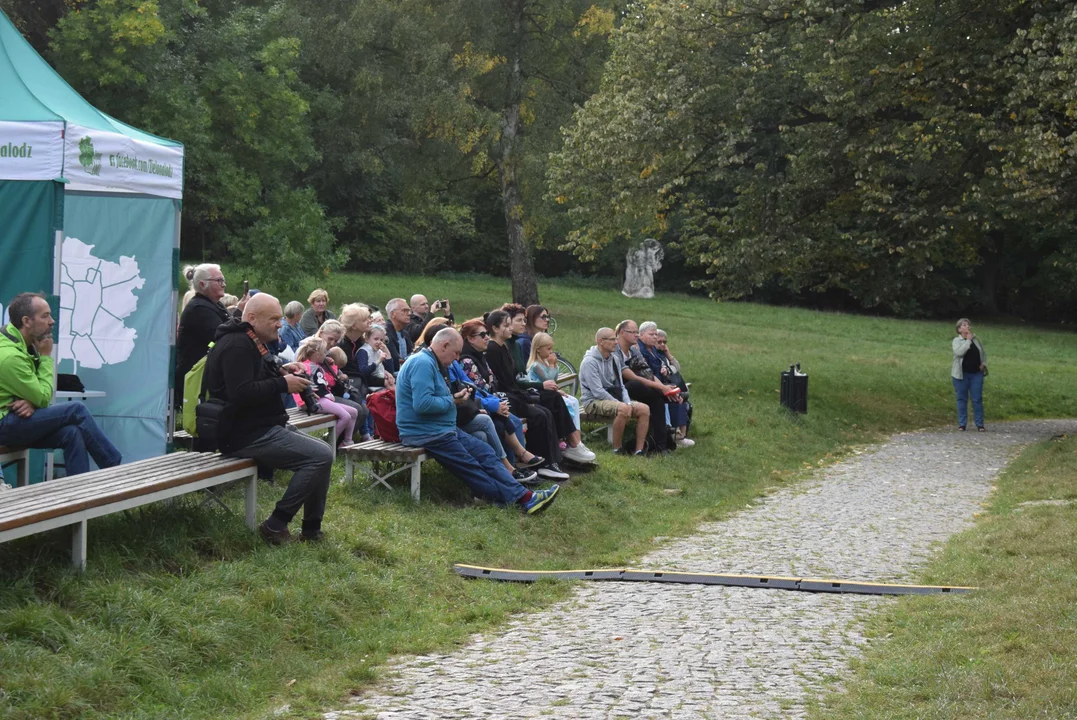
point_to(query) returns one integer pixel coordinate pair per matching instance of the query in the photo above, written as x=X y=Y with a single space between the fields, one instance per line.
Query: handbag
x=213 y=421
x=638 y=365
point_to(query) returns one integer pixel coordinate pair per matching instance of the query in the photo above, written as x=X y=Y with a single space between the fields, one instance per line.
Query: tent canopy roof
x=49 y=131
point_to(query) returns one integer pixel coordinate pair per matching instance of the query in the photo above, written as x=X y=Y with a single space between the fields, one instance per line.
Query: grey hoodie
x=598 y=373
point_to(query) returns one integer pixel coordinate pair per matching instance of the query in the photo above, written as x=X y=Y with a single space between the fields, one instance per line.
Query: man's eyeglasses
x=607 y=339
x=219 y=281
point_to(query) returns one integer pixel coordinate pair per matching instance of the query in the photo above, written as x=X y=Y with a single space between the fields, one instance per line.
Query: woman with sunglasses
x=537 y=320
x=479 y=357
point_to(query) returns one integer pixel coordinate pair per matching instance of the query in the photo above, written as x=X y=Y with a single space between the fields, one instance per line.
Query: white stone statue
x=643 y=261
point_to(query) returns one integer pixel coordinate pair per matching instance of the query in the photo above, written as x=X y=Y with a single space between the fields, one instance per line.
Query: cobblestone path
x=637 y=650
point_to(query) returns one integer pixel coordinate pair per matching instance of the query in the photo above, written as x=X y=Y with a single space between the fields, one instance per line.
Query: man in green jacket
x=26 y=419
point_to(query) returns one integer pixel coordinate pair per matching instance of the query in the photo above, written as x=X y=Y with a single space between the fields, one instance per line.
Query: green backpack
x=193 y=393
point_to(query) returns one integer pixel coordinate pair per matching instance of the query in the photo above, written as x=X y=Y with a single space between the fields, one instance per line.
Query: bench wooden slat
x=96 y=481
x=133 y=487
x=384 y=451
x=37 y=496
x=43 y=495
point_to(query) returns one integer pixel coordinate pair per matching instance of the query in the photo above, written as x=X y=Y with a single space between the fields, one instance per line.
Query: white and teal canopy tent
x=91 y=210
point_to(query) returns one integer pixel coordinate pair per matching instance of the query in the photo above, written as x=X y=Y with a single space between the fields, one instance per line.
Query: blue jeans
x=474 y=462
x=68 y=426
x=482 y=428
x=970 y=385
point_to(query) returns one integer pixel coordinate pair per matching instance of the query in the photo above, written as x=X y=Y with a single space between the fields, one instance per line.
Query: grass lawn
x=183 y=613
x=1008 y=650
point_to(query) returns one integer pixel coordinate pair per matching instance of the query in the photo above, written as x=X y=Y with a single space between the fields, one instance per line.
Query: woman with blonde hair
x=967 y=372
x=311 y=355
x=317 y=313
x=354 y=323
x=542 y=366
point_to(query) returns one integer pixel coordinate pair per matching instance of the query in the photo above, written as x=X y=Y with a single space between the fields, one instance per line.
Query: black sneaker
x=312 y=536
x=552 y=471
x=524 y=476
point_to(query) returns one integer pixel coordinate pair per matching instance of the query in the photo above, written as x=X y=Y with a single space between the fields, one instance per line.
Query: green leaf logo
x=86 y=154
x=89 y=160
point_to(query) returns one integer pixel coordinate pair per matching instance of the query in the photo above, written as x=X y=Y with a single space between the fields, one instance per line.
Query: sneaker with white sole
x=579 y=454
x=524 y=476
x=552 y=471
x=686 y=442
x=540 y=500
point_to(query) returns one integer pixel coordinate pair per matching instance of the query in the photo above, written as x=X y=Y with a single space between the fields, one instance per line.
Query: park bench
x=20 y=456
x=75 y=500
x=382 y=451
x=297 y=417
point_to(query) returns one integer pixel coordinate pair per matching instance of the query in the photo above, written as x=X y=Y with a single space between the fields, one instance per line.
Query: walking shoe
x=552 y=471
x=274 y=537
x=524 y=476
x=584 y=451
x=686 y=442
x=621 y=451
x=579 y=454
x=535 y=461
x=540 y=500
x=312 y=536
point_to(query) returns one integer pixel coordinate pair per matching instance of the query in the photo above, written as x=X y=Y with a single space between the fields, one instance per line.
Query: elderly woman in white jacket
x=968 y=372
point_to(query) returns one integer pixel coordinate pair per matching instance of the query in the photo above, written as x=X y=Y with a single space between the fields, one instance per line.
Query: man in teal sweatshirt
x=26 y=418
x=426 y=418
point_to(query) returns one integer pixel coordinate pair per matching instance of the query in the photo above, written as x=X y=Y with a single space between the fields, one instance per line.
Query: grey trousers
x=285 y=448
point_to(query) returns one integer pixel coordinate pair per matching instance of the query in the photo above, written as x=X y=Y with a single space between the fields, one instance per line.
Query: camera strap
x=262 y=349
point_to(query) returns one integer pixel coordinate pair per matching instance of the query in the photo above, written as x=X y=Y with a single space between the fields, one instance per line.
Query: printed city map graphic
x=95 y=297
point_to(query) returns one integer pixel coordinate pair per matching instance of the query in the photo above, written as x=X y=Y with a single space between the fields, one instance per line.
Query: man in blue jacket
x=426 y=418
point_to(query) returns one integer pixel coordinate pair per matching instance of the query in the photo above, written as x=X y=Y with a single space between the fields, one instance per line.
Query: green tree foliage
x=439 y=147
x=222 y=78
x=917 y=155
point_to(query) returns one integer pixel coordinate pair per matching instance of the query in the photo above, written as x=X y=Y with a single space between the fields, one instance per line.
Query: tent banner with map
x=115 y=309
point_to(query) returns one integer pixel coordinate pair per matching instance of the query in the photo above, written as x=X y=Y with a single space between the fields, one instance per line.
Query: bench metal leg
x=22 y=471
x=416 y=471
x=333 y=438
x=78 y=546
x=252 y=501
x=349 y=469
x=609 y=434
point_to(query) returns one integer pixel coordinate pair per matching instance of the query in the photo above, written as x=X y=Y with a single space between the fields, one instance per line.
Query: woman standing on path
x=968 y=372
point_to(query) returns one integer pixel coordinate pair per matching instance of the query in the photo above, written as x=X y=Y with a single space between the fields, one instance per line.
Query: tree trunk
x=521 y=266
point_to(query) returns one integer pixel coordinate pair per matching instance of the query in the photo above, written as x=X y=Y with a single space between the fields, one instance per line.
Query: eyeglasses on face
x=544 y=316
x=481 y=334
x=607 y=339
x=219 y=281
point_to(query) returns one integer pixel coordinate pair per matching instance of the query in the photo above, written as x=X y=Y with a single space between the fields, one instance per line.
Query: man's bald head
x=263 y=313
x=419 y=305
x=605 y=341
x=447 y=345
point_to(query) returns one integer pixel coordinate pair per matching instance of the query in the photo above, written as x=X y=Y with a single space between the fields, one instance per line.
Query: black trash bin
x=794 y=389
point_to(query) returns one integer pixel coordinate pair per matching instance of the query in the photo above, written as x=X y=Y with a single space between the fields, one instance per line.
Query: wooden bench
x=606 y=421
x=410 y=458
x=75 y=500
x=20 y=456
x=296 y=416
